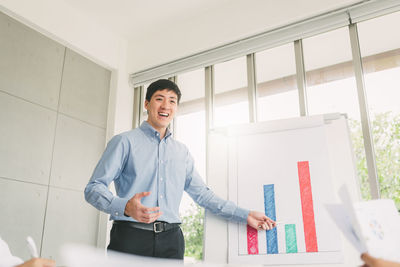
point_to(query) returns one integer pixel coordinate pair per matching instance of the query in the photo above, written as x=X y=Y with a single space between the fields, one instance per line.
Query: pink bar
x=307 y=206
x=252 y=240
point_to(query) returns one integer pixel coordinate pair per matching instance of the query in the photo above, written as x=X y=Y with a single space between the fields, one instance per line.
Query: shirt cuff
x=241 y=214
x=118 y=206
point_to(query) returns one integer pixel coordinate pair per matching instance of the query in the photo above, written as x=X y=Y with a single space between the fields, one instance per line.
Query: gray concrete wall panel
x=30 y=63
x=22 y=209
x=26 y=143
x=69 y=219
x=85 y=90
x=77 y=149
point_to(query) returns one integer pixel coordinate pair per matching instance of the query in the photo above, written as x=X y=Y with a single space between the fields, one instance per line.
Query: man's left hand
x=259 y=221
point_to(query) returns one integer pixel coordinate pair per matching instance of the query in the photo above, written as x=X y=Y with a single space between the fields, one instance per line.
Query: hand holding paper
x=370 y=226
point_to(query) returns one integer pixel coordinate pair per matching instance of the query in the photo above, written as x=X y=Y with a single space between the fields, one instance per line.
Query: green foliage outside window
x=386 y=135
x=192 y=227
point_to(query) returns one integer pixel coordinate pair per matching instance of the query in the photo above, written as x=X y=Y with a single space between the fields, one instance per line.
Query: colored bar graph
x=307 y=206
x=269 y=205
x=290 y=238
x=252 y=240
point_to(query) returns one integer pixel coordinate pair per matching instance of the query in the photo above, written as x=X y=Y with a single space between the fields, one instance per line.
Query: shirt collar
x=151 y=132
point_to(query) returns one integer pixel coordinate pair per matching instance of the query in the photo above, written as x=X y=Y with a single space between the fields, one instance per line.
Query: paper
x=343 y=222
x=78 y=255
x=75 y=255
x=379 y=224
x=370 y=226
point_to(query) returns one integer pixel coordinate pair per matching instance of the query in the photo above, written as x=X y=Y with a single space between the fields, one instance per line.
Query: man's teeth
x=163 y=114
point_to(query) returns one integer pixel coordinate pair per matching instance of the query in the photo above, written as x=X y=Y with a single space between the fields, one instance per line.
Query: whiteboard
x=268 y=156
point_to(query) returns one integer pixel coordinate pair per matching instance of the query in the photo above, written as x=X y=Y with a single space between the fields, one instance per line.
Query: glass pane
x=192 y=85
x=231 y=98
x=190 y=127
x=232 y=114
x=380 y=50
x=191 y=130
x=144 y=114
x=331 y=87
x=276 y=83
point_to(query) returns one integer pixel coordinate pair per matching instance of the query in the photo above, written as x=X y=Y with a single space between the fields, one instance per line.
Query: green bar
x=290 y=235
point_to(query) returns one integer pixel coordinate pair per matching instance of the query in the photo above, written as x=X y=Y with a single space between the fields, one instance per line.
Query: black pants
x=168 y=244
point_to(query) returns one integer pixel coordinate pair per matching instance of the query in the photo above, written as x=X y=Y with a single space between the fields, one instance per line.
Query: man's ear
x=146 y=103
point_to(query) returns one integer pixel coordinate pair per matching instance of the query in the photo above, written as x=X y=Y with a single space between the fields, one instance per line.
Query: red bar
x=307 y=206
x=252 y=240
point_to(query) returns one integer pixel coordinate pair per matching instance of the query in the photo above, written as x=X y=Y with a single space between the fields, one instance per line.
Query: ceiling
x=147 y=33
x=134 y=18
x=159 y=31
x=131 y=18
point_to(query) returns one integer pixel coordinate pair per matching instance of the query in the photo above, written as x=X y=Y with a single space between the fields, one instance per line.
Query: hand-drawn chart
x=287 y=175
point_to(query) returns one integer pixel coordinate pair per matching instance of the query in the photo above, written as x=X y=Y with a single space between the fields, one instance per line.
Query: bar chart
x=289 y=229
x=287 y=173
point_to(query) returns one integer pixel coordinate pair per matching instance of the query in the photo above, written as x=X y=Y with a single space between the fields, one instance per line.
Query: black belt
x=156 y=227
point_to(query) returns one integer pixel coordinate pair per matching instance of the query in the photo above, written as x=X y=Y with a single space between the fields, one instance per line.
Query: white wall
x=59 y=21
x=53 y=117
x=65 y=24
x=69 y=27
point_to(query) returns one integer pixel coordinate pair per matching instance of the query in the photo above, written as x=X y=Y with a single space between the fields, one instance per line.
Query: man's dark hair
x=161 y=85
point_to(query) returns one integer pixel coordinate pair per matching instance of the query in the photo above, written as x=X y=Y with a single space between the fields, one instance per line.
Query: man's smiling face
x=161 y=109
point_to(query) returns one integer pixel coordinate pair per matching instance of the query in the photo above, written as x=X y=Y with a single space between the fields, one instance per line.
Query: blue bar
x=269 y=204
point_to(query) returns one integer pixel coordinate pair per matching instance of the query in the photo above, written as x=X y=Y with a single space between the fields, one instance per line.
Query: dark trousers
x=168 y=244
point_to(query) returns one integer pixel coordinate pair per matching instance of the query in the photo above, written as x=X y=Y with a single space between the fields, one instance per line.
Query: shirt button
x=116 y=213
x=161 y=179
x=161 y=196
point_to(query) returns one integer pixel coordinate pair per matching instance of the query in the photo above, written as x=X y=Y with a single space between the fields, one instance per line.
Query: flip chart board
x=288 y=169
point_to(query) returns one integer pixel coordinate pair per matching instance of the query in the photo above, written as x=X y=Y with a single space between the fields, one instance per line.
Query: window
x=231 y=100
x=331 y=86
x=144 y=111
x=380 y=51
x=190 y=127
x=276 y=83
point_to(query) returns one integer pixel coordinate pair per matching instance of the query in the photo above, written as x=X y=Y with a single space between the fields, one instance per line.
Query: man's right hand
x=38 y=262
x=140 y=213
x=370 y=261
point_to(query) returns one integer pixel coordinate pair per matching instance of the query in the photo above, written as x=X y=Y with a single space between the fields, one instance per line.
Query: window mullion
x=252 y=87
x=363 y=105
x=301 y=77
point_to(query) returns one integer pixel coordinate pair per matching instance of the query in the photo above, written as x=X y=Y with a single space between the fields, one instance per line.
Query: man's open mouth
x=163 y=114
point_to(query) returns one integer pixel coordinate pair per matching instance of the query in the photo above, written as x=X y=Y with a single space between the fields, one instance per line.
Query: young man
x=150 y=171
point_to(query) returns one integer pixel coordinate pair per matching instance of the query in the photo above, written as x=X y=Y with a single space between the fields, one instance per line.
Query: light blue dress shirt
x=138 y=161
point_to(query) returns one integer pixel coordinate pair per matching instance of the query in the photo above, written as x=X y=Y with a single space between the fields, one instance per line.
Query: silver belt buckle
x=155 y=227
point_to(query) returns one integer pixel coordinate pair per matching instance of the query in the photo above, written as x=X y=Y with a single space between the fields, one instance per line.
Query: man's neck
x=162 y=134
x=161 y=131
